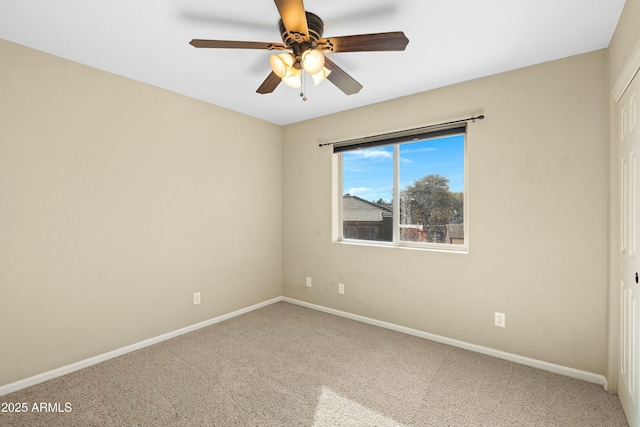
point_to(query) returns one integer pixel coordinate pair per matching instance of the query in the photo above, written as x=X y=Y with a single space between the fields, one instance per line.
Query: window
x=405 y=189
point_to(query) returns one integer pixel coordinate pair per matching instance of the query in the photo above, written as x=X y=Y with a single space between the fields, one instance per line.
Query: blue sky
x=368 y=173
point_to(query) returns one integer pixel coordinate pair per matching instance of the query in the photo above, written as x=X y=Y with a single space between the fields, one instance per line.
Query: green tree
x=384 y=203
x=458 y=207
x=429 y=202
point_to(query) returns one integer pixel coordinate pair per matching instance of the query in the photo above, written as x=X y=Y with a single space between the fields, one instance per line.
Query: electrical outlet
x=341 y=288
x=308 y=282
x=500 y=320
x=196 y=298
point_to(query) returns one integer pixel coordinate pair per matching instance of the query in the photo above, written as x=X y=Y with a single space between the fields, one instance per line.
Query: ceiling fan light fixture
x=304 y=49
x=281 y=63
x=319 y=77
x=312 y=61
x=293 y=78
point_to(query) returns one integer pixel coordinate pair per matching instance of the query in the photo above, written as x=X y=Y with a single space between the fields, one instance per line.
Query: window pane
x=432 y=190
x=367 y=187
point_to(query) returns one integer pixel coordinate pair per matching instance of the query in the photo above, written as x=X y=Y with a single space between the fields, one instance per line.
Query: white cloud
x=373 y=154
x=419 y=150
x=359 y=190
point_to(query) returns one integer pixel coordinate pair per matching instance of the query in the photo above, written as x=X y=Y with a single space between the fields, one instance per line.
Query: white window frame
x=338 y=228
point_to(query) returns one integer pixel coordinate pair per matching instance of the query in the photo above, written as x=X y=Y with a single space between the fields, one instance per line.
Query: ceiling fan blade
x=364 y=42
x=341 y=79
x=270 y=84
x=233 y=44
x=293 y=17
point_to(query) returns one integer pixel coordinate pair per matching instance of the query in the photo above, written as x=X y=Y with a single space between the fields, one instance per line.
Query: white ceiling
x=449 y=42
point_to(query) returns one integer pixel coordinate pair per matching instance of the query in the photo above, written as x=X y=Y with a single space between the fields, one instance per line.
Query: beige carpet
x=286 y=365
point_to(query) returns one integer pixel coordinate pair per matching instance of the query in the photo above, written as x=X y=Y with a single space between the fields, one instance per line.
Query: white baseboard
x=546 y=366
x=64 y=370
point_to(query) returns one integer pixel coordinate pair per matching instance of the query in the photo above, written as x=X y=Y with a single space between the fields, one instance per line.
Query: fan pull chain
x=304 y=98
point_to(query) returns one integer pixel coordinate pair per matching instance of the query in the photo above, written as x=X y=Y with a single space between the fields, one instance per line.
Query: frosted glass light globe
x=312 y=61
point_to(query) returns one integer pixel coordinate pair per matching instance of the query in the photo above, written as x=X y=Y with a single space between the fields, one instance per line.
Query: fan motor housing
x=316 y=28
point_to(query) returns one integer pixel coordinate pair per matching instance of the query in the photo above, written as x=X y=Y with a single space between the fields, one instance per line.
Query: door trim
x=623 y=80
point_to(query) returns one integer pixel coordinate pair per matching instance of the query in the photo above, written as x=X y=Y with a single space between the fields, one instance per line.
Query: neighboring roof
x=355 y=208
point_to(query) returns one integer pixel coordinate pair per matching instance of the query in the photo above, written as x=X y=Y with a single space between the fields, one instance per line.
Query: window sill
x=438 y=247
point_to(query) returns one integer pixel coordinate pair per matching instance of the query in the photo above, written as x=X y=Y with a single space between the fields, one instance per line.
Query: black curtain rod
x=470 y=119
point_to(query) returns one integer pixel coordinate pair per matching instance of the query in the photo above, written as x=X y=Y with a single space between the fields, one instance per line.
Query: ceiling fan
x=305 y=48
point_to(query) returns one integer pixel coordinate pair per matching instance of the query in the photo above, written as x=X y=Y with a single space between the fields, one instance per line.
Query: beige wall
x=538 y=185
x=118 y=201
